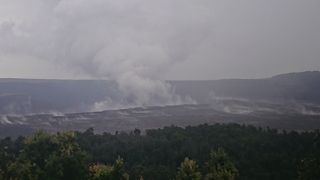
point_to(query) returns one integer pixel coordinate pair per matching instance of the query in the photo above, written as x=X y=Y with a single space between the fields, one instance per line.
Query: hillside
x=23 y=96
x=292 y=87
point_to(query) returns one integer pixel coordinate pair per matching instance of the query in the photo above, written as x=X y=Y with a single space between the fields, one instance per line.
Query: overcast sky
x=158 y=39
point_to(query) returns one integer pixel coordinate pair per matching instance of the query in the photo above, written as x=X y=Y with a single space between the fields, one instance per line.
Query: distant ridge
x=306 y=74
x=303 y=87
x=43 y=95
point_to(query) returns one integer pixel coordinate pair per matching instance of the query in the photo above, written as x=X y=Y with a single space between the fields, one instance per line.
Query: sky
x=143 y=41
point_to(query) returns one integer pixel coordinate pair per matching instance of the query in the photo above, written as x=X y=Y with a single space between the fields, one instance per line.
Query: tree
x=188 y=170
x=108 y=172
x=100 y=172
x=137 y=132
x=220 y=166
x=68 y=161
x=48 y=157
x=309 y=169
x=22 y=170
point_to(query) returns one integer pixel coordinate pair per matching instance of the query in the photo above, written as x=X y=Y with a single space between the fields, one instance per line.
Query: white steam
x=130 y=41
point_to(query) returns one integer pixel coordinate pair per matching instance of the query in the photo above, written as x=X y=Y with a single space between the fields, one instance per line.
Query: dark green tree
x=220 y=166
x=108 y=172
x=49 y=157
x=188 y=170
x=309 y=169
x=100 y=172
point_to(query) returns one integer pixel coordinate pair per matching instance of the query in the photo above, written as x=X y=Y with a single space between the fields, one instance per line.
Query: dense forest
x=211 y=152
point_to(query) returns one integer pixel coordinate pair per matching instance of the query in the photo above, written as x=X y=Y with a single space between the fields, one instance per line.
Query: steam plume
x=129 y=41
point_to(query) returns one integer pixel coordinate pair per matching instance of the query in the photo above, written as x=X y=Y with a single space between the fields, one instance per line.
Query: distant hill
x=52 y=95
x=288 y=101
x=293 y=87
x=38 y=96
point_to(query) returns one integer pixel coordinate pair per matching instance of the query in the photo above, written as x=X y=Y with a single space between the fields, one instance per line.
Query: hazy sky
x=128 y=40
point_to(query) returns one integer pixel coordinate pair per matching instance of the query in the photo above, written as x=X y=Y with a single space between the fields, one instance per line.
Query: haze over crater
x=140 y=43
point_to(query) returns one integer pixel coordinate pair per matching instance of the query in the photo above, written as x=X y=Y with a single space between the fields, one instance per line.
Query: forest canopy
x=210 y=152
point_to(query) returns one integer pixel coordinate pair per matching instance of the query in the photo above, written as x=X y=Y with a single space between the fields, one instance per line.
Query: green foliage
x=256 y=153
x=309 y=169
x=100 y=172
x=68 y=161
x=220 y=167
x=188 y=170
x=22 y=170
x=48 y=156
x=107 y=172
